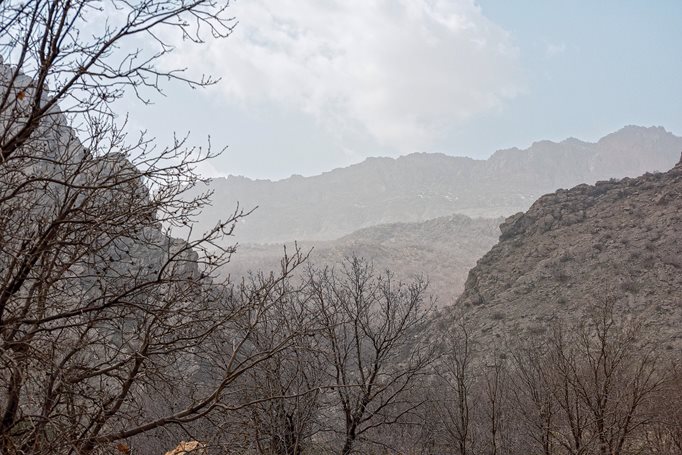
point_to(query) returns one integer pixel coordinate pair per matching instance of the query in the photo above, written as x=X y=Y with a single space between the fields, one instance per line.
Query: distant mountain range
x=419 y=187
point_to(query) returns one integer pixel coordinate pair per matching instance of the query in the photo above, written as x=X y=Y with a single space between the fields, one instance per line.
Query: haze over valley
x=277 y=227
x=413 y=215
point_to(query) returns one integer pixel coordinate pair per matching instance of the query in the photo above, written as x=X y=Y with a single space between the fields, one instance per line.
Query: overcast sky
x=311 y=85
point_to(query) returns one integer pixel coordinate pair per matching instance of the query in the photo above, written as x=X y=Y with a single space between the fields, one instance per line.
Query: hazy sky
x=310 y=85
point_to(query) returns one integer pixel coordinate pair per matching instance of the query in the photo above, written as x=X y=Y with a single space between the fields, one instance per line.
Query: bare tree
x=109 y=328
x=286 y=388
x=457 y=375
x=613 y=371
x=664 y=433
x=370 y=329
x=80 y=56
x=532 y=395
x=493 y=433
x=591 y=386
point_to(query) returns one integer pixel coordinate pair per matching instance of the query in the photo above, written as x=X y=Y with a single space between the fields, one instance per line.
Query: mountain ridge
x=569 y=140
x=422 y=186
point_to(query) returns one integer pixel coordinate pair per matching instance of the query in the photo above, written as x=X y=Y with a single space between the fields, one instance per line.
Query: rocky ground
x=618 y=239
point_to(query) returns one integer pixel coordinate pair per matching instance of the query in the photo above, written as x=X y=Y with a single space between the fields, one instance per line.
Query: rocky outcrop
x=617 y=238
x=188 y=448
x=422 y=186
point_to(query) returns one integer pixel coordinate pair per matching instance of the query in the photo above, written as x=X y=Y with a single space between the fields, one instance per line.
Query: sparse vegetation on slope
x=621 y=238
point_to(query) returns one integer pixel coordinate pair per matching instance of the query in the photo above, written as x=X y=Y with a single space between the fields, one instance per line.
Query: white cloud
x=400 y=70
x=553 y=49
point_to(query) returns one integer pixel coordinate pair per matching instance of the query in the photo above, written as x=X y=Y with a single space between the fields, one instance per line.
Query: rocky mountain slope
x=419 y=187
x=620 y=239
x=444 y=249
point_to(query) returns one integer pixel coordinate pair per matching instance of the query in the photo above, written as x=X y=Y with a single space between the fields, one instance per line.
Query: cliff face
x=109 y=234
x=423 y=186
x=618 y=238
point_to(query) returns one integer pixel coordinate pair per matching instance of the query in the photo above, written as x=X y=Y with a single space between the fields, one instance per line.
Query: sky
x=311 y=85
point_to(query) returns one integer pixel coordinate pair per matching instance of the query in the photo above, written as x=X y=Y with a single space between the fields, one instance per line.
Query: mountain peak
x=629 y=132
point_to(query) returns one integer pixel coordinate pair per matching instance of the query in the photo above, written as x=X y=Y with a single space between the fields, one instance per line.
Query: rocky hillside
x=419 y=187
x=617 y=238
x=444 y=249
